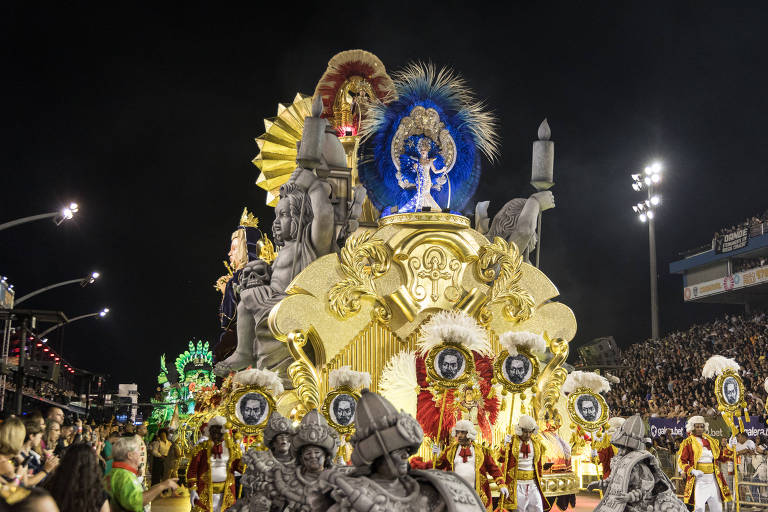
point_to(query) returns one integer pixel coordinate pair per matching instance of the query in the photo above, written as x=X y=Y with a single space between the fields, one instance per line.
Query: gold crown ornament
x=248 y=220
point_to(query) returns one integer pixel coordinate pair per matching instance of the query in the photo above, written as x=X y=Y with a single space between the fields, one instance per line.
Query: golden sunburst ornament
x=277 y=147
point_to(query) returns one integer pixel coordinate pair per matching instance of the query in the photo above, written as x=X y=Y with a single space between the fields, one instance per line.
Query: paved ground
x=586 y=503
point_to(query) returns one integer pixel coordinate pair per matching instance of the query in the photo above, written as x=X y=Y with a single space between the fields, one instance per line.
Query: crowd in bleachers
x=740 y=265
x=755 y=220
x=663 y=377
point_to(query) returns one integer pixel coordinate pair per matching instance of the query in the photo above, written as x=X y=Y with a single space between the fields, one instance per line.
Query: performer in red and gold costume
x=210 y=474
x=602 y=447
x=524 y=468
x=698 y=458
x=472 y=462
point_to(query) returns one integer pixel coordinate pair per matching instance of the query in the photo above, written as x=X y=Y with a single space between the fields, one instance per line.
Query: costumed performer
x=698 y=458
x=602 y=447
x=524 y=467
x=472 y=461
x=211 y=470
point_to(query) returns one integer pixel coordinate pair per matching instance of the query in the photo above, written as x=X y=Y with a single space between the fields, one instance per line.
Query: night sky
x=146 y=118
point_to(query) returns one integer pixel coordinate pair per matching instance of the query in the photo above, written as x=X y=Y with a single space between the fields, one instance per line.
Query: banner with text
x=731 y=241
x=738 y=280
x=660 y=427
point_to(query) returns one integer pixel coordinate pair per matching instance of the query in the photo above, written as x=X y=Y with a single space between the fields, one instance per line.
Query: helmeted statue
x=516 y=221
x=381 y=479
x=257 y=483
x=636 y=482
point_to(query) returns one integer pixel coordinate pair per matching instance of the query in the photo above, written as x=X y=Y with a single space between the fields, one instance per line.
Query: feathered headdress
x=579 y=379
x=514 y=340
x=612 y=378
x=398 y=382
x=455 y=113
x=716 y=365
x=453 y=327
x=266 y=379
x=345 y=376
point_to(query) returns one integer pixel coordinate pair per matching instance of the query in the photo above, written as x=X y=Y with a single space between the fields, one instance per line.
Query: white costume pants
x=216 y=502
x=528 y=497
x=706 y=492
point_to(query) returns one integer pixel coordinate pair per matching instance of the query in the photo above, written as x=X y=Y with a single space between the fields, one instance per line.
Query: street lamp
x=82 y=281
x=101 y=314
x=58 y=217
x=646 y=212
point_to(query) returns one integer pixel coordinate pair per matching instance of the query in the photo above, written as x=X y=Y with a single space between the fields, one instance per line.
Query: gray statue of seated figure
x=303 y=230
x=516 y=221
x=636 y=482
x=380 y=479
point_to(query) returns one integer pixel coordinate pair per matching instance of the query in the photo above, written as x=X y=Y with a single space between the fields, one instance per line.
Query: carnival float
x=376 y=277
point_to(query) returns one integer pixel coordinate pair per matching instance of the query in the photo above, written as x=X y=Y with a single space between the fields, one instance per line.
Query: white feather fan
x=346 y=376
x=398 y=382
x=513 y=340
x=266 y=379
x=612 y=378
x=455 y=327
x=765 y=384
x=591 y=380
x=716 y=365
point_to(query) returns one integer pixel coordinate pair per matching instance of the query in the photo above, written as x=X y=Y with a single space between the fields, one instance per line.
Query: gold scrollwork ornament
x=725 y=404
x=327 y=407
x=576 y=417
x=501 y=262
x=501 y=377
x=233 y=402
x=434 y=377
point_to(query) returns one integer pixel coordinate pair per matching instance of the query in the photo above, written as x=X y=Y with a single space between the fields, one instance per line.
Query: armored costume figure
x=380 y=479
x=524 y=468
x=472 y=462
x=210 y=474
x=698 y=458
x=257 y=483
x=636 y=483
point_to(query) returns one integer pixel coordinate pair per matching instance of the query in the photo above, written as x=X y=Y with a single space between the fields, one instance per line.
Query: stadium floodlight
x=655 y=167
x=656 y=178
x=642 y=217
x=655 y=200
x=648 y=180
x=650 y=214
x=634 y=208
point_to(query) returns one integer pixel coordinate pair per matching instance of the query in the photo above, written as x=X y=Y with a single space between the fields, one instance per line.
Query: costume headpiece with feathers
x=453 y=327
x=579 y=379
x=464 y=124
x=716 y=365
x=266 y=379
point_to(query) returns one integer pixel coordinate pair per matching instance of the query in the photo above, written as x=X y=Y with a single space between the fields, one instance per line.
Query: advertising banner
x=734 y=240
x=738 y=280
x=659 y=427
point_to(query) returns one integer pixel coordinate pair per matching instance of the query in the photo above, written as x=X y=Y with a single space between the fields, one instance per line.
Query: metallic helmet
x=315 y=431
x=631 y=434
x=380 y=429
x=277 y=424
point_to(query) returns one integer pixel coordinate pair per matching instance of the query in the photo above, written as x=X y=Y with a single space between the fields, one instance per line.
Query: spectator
x=37 y=470
x=37 y=500
x=55 y=414
x=51 y=436
x=77 y=485
x=11 y=442
x=123 y=485
x=159 y=449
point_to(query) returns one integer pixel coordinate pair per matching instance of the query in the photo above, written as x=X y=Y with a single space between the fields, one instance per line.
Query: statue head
x=238 y=250
x=424 y=147
x=278 y=434
x=631 y=434
x=314 y=443
x=292 y=214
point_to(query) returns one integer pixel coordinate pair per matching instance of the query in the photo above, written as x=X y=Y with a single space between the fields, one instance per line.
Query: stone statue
x=636 y=482
x=381 y=479
x=257 y=483
x=516 y=221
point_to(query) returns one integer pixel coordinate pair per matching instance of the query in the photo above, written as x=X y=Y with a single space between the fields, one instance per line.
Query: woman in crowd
x=51 y=436
x=37 y=469
x=159 y=449
x=11 y=441
x=78 y=484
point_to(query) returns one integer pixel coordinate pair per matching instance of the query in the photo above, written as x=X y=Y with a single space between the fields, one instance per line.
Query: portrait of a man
x=343 y=409
x=517 y=369
x=588 y=407
x=252 y=408
x=731 y=391
x=450 y=363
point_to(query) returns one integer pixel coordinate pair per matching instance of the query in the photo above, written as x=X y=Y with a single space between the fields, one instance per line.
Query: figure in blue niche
x=426 y=161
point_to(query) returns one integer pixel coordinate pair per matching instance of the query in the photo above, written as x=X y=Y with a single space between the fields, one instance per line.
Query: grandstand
x=733 y=269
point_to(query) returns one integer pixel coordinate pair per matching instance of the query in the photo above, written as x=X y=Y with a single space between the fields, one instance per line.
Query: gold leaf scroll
x=552 y=378
x=501 y=263
x=303 y=373
x=362 y=259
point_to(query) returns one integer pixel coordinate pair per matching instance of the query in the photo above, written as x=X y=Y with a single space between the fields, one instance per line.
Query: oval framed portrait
x=340 y=407
x=450 y=365
x=729 y=389
x=516 y=372
x=248 y=409
x=587 y=409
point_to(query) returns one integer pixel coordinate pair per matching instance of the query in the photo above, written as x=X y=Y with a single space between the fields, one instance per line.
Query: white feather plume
x=765 y=384
x=612 y=378
x=266 y=379
x=455 y=327
x=346 y=376
x=398 y=382
x=716 y=365
x=591 y=380
x=514 y=340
